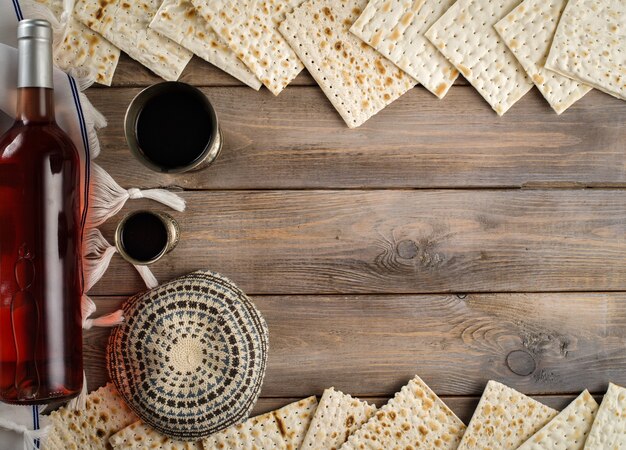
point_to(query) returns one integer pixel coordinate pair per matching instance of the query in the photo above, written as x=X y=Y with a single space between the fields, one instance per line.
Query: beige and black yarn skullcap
x=190 y=357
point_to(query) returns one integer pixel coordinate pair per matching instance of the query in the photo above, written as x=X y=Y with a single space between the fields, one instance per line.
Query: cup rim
x=119 y=245
x=132 y=114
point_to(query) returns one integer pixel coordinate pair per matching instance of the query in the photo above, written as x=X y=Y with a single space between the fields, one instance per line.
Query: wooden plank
x=371 y=345
x=198 y=72
x=395 y=241
x=297 y=140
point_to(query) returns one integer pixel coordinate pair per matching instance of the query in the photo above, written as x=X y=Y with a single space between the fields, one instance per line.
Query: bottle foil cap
x=34 y=45
x=34 y=28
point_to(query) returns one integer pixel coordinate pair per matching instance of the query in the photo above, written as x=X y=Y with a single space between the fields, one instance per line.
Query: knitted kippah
x=190 y=357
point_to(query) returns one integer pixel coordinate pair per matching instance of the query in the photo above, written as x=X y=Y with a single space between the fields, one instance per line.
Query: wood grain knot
x=407 y=249
x=521 y=362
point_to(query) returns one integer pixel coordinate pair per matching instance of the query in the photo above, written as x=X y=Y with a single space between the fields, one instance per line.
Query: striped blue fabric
x=35 y=410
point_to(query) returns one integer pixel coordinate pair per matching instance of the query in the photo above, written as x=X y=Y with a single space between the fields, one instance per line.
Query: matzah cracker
x=465 y=35
x=609 y=427
x=179 y=21
x=83 y=48
x=568 y=430
x=250 y=28
x=337 y=416
x=414 y=418
x=105 y=413
x=528 y=31
x=125 y=24
x=139 y=436
x=282 y=429
x=590 y=45
x=357 y=80
x=396 y=29
x=504 y=419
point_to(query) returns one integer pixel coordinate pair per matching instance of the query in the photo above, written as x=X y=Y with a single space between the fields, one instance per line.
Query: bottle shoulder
x=42 y=138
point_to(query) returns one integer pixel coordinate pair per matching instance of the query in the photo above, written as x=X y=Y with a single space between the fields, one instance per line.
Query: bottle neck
x=35 y=104
x=34 y=72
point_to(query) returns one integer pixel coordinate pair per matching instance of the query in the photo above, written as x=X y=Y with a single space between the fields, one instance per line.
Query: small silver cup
x=204 y=158
x=171 y=230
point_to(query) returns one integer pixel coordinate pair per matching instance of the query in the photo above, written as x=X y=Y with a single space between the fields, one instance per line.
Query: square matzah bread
x=249 y=27
x=609 y=428
x=465 y=35
x=139 y=436
x=504 y=419
x=337 y=416
x=396 y=29
x=414 y=418
x=528 y=31
x=83 y=49
x=590 y=45
x=179 y=21
x=357 y=80
x=125 y=24
x=568 y=430
x=105 y=413
x=283 y=429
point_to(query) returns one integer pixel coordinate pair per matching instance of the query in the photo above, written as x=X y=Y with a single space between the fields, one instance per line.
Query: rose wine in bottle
x=40 y=238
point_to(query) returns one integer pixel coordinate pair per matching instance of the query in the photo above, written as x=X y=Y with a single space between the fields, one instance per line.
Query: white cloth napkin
x=22 y=427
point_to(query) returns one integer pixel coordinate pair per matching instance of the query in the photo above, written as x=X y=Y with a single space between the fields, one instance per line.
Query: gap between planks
x=528 y=187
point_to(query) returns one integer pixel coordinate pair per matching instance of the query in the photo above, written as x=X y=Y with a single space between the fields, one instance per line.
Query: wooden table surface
x=438 y=239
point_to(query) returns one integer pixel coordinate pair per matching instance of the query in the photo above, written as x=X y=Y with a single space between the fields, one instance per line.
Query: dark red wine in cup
x=144 y=236
x=174 y=128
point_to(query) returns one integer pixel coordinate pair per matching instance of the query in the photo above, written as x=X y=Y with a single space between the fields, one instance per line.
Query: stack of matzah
x=357 y=80
x=396 y=29
x=504 y=418
x=568 y=430
x=528 y=32
x=179 y=21
x=590 y=45
x=502 y=47
x=337 y=416
x=105 y=413
x=148 y=31
x=609 y=427
x=250 y=29
x=365 y=54
x=465 y=35
x=78 y=49
x=414 y=418
x=125 y=24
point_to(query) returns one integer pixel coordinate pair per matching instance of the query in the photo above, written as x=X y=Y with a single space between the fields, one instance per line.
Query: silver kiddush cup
x=144 y=237
x=187 y=96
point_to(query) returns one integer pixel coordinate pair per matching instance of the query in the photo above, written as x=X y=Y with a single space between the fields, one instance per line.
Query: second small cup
x=144 y=237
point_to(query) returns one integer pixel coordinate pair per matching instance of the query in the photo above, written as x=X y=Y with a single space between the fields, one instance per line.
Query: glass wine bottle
x=40 y=238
